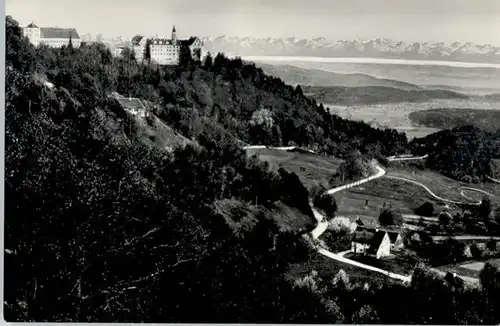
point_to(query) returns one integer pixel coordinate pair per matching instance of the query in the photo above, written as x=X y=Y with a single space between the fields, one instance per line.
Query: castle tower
x=174 y=36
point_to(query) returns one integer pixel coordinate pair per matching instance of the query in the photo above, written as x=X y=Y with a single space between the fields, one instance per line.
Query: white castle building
x=52 y=36
x=166 y=51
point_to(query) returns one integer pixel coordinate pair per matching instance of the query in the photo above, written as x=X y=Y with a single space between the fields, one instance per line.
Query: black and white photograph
x=251 y=162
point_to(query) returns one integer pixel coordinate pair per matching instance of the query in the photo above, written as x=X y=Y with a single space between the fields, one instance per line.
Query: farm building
x=359 y=222
x=415 y=237
x=373 y=243
x=396 y=241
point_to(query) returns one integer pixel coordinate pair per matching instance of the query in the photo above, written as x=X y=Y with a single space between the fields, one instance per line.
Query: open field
x=310 y=168
x=470 y=268
x=447 y=188
x=369 y=199
x=475 y=266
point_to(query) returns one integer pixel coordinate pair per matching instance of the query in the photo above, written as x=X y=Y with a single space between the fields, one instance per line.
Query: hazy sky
x=407 y=20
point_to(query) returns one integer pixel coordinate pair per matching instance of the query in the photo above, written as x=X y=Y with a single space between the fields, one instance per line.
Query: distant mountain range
x=377 y=48
x=321 y=47
x=111 y=42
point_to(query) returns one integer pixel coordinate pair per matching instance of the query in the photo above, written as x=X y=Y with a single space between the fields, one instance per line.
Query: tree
x=208 y=61
x=365 y=315
x=298 y=91
x=128 y=54
x=490 y=278
x=276 y=135
x=475 y=251
x=484 y=209
x=70 y=44
x=20 y=54
x=444 y=218
x=185 y=57
x=326 y=203
x=491 y=245
x=354 y=167
x=147 y=51
x=341 y=280
x=490 y=283
x=157 y=77
x=390 y=217
x=426 y=209
x=449 y=251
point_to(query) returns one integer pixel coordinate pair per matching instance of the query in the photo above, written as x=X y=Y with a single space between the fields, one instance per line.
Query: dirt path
x=340 y=257
x=407 y=158
x=380 y=172
x=464 y=237
x=478 y=190
x=430 y=191
x=494 y=180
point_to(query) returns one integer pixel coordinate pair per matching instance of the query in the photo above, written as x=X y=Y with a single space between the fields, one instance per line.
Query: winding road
x=380 y=172
x=430 y=191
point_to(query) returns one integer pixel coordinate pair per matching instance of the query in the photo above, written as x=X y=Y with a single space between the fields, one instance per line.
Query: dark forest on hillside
x=465 y=153
x=100 y=228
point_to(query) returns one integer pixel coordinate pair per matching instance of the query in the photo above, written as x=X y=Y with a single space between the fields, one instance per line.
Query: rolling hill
x=341 y=95
x=315 y=77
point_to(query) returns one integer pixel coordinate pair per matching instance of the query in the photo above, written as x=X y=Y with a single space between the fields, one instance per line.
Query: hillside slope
x=464 y=153
x=447 y=118
x=111 y=223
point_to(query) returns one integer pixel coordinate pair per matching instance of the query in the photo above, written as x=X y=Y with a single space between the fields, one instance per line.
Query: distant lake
x=375 y=61
x=477 y=76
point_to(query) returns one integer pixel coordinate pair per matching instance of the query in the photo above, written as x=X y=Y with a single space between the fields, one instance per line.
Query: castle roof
x=54 y=32
x=165 y=41
x=161 y=41
x=137 y=39
x=31 y=25
x=189 y=41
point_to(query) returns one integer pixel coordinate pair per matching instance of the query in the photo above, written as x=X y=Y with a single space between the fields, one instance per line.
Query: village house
x=374 y=243
x=52 y=36
x=396 y=239
x=165 y=51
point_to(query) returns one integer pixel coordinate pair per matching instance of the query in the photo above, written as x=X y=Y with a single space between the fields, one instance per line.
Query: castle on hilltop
x=52 y=36
x=165 y=51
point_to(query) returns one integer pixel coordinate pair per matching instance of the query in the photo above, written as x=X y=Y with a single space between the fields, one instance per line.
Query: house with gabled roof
x=52 y=36
x=396 y=239
x=375 y=243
